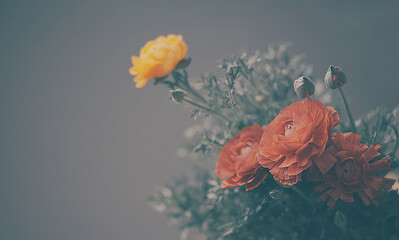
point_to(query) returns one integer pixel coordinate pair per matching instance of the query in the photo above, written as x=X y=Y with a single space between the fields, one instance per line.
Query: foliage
x=247 y=89
x=253 y=89
x=272 y=212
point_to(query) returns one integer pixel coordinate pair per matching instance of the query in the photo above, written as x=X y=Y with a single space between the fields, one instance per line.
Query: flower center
x=242 y=154
x=348 y=170
x=245 y=151
x=288 y=130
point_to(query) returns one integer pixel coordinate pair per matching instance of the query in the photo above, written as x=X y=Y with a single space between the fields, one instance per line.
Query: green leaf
x=340 y=221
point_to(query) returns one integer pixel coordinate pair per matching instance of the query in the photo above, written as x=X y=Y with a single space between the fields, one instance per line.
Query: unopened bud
x=304 y=87
x=183 y=63
x=259 y=98
x=335 y=77
x=177 y=95
x=275 y=194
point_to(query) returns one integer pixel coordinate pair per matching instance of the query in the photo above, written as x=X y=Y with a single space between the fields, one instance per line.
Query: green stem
x=187 y=87
x=348 y=110
x=189 y=101
x=395 y=148
x=195 y=93
x=300 y=193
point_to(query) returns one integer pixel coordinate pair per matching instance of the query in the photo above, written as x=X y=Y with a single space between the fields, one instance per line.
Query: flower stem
x=195 y=93
x=395 y=148
x=300 y=193
x=348 y=110
x=182 y=82
x=189 y=101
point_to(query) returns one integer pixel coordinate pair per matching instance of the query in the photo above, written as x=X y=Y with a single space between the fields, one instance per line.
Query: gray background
x=82 y=149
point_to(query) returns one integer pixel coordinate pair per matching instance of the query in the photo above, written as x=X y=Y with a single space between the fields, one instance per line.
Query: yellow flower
x=158 y=58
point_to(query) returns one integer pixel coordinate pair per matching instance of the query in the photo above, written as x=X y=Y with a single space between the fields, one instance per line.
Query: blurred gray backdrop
x=82 y=148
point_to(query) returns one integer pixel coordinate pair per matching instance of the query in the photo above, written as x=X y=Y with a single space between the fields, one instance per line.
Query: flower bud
x=183 y=63
x=304 y=87
x=259 y=98
x=177 y=95
x=275 y=194
x=335 y=77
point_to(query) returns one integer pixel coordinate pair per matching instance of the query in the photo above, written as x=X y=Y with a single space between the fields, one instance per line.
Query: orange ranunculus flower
x=158 y=58
x=354 y=171
x=298 y=133
x=238 y=160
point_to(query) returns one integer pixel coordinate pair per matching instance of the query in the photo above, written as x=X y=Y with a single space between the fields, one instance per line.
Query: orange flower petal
x=299 y=132
x=352 y=171
x=371 y=153
x=238 y=159
x=289 y=161
x=347 y=197
x=257 y=180
x=325 y=162
x=294 y=170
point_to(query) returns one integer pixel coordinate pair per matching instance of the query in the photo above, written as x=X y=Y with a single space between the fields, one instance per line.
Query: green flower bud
x=304 y=87
x=183 y=63
x=177 y=95
x=275 y=194
x=335 y=77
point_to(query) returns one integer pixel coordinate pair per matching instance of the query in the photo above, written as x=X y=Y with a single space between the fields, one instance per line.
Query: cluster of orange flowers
x=300 y=138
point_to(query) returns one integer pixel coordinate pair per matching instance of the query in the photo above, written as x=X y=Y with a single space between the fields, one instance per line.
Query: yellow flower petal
x=184 y=48
x=141 y=84
x=132 y=72
x=147 y=46
x=140 y=81
x=161 y=39
x=158 y=58
x=135 y=60
x=175 y=38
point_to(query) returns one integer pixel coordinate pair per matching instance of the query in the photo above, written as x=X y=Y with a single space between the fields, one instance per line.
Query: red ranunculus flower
x=238 y=160
x=354 y=171
x=298 y=133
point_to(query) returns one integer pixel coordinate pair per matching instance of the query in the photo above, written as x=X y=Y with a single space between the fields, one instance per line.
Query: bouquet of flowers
x=271 y=166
